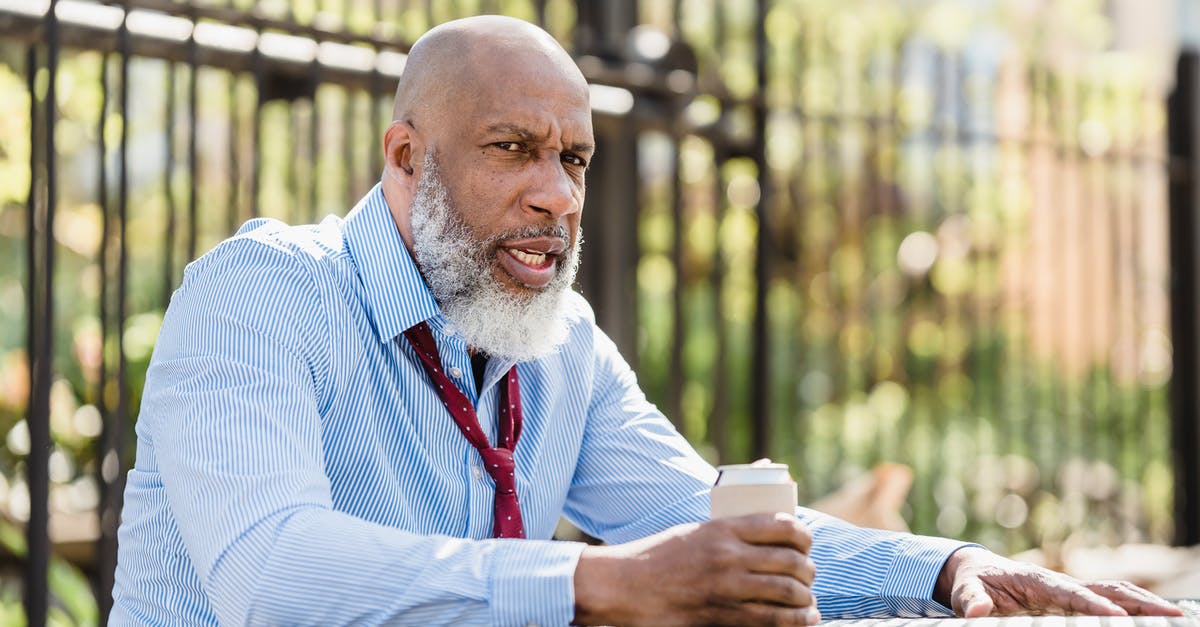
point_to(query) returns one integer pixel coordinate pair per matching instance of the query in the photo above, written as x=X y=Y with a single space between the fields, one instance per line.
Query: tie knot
x=499 y=464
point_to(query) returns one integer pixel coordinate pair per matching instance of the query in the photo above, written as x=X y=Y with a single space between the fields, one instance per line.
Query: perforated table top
x=1191 y=608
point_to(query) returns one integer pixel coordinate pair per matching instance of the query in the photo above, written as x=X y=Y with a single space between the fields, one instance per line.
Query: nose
x=552 y=192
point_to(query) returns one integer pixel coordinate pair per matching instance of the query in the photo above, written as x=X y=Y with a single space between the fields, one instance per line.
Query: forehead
x=530 y=95
x=538 y=118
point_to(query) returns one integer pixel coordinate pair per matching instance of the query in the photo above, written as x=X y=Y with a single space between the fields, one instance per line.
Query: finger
x=781 y=561
x=1076 y=599
x=760 y=614
x=781 y=529
x=776 y=589
x=970 y=599
x=1134 y=600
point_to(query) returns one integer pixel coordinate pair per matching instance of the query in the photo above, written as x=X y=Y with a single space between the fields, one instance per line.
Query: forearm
x=316 y=566
x=868 y=572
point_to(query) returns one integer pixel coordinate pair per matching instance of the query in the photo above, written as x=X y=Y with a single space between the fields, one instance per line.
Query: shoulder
x=585 y=337
x=578 y=311
x=269 y=276
x=586 y=340
x=269 y=244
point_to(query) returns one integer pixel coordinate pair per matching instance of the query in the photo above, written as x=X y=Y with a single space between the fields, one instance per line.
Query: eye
x=574 y=160
x=510 y=146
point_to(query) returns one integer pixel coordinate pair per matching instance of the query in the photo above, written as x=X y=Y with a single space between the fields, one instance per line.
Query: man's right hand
x=752 y=570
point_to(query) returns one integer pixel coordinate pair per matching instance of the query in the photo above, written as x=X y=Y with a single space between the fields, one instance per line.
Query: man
x=312 y=449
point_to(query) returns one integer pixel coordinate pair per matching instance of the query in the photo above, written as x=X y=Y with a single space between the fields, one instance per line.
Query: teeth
x=532 y=259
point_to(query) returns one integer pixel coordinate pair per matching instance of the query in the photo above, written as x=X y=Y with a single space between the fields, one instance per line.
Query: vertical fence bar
x=106 y=545
x=193 y=112
x=675 y=374
x=168 y=270
x=349 y=195
x=114 y=461
x=719 y=427
x=233 y=212
x=760 y=396
x=1184 y=152
x=378 y=111
x=256 y=151
x=314 y=144
x=40 y=325
x=113 y=432
x=610 y=223
x=302 y=167
x=34 y=592
x=539 y=8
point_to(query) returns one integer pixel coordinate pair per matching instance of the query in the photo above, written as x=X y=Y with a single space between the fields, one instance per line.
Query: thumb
x=971 y=600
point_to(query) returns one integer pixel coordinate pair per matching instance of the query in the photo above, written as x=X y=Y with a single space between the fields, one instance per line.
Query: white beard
x=459 y=271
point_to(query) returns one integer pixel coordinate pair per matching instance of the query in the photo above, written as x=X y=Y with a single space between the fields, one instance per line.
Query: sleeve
x=232 y=411
x=637 y=476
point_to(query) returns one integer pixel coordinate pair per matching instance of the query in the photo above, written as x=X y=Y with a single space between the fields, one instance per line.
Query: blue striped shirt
x=295 y=466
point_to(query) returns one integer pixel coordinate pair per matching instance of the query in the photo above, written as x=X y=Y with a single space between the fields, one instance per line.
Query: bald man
x=380 y=419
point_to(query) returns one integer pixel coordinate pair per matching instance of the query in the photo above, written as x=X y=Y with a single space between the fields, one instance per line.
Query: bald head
x=502 y=111
x=458 y=60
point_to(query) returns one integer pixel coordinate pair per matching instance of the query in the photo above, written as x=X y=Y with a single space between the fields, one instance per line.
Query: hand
x=752 y=570
x=975 y=582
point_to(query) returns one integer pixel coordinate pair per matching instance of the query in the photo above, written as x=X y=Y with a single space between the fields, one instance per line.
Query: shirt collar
x=397 y=296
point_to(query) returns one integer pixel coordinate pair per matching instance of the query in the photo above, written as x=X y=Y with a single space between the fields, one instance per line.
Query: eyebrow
x=528 y=135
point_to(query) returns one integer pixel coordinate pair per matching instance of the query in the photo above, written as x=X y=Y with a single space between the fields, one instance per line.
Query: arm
x=232 y=413
x=637 y=477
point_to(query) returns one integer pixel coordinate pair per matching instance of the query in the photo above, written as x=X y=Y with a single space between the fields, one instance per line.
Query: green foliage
x=72 y=602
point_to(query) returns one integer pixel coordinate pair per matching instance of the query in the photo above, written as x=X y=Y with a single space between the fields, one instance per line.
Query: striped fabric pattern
x=294 y=465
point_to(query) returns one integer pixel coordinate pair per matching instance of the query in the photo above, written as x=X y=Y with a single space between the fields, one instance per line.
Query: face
x=495 y=218
x=513 y=160
x=458 y=269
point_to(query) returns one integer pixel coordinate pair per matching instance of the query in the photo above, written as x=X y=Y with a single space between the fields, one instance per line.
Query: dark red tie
x=498 y=460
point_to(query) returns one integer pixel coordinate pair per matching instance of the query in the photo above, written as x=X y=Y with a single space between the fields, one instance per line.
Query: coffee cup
x=763 y=487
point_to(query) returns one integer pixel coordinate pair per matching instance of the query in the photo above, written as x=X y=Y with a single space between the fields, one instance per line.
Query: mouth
x=529 y=258
x=531 y=263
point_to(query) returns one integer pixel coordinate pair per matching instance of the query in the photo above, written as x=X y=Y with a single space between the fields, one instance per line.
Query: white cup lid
x=763 y=471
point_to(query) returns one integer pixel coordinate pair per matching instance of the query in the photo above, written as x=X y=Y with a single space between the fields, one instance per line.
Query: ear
x=400 y=144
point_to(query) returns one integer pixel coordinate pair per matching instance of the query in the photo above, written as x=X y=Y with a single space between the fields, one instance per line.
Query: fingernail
x=814 y=616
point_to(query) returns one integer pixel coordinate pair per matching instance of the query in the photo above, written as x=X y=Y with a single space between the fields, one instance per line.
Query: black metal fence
x=837 y=235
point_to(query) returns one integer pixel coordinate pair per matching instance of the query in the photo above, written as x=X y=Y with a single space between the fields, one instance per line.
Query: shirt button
x=478 y=472
x=456 y=372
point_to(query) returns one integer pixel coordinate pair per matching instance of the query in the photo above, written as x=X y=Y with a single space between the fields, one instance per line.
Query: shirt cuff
x=910 y=582
x=533 y=582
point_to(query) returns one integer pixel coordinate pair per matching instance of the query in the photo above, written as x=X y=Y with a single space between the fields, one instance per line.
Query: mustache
x=557 y=231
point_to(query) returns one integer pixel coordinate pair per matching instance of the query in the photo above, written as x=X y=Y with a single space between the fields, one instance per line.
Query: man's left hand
x=975 y=582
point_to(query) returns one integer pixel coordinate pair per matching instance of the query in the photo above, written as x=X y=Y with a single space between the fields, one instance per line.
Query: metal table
x=1191 y=607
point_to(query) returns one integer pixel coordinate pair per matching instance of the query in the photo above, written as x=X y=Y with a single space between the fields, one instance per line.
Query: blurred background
x=935 y=253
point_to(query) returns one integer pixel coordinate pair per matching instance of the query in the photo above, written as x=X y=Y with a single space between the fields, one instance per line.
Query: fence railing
x=836 y=235
x=1184 y=151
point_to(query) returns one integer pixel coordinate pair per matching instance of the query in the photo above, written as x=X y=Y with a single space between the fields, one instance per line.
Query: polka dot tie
x=497 y=460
